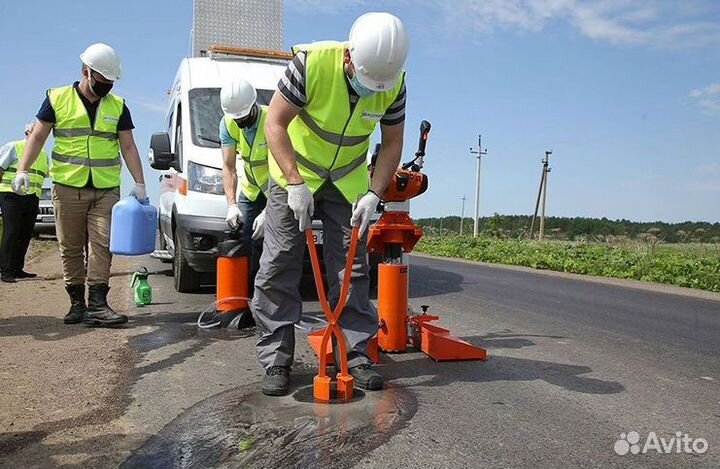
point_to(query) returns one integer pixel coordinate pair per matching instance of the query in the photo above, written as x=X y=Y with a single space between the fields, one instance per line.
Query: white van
x=193 y=205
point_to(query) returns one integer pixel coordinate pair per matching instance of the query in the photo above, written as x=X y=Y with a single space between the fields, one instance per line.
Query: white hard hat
x=103 y=59
x=237 y=98
x=378 y=47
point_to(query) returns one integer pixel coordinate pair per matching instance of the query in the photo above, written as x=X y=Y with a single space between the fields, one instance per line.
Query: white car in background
x=45 y=221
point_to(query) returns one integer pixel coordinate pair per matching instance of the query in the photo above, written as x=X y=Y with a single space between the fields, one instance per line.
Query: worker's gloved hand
x=300 y=201
x=139 y=192
x=259 y=226
x=21 y=183
x=234 y=216
x=363 y=211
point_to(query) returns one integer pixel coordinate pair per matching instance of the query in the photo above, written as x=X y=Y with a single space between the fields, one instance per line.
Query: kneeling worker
x=242 y=133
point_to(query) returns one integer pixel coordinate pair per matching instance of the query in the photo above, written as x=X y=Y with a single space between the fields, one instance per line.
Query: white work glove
x=300 y=201
x=139 y=192
x=21 y=183
x=363 y=211
x=234 y=216
x=259 y=226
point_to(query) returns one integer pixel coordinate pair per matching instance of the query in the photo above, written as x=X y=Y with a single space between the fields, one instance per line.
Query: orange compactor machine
x=393 y=236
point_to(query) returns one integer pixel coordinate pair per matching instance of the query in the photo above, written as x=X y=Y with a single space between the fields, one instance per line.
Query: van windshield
x=205 y=114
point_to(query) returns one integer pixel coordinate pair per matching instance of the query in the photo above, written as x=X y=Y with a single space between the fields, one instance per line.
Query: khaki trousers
x=82 y=222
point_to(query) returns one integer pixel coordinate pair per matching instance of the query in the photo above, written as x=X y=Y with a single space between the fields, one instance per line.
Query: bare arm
x=280 y=113
x=130 y=155
x=229 y=174
x=35 y=142
x=389 y=158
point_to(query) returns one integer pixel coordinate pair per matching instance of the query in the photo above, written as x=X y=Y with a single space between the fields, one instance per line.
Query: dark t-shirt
x=47 y=114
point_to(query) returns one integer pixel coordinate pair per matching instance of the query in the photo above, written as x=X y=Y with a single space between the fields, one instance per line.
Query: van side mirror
x=160 y=156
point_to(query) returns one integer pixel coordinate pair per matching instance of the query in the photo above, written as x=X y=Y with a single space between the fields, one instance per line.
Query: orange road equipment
x=233 y=285
x=322 y=383
x=392 y=236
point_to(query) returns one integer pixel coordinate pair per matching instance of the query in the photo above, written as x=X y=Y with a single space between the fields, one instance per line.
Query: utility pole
x=462 y=214
x=546 y=171
x=542 y=195
x=480 y=152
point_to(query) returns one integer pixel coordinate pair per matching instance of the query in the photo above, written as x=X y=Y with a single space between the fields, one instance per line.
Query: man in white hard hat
x=91 y=127
x=19 y=212
x=242 y=133
x=318 y=127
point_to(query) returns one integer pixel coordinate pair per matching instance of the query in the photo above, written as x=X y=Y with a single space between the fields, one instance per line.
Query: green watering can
x=143 y=290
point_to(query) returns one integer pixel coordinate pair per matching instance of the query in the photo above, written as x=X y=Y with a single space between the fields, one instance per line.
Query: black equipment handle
x=424 y=134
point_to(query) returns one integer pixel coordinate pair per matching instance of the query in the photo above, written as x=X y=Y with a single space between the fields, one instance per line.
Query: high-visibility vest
x=330 y=143
x=37 y=172
x=81 y=149
x=254 y=157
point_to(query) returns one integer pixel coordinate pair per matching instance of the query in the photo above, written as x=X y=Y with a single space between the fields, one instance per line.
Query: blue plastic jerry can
x=133 y=227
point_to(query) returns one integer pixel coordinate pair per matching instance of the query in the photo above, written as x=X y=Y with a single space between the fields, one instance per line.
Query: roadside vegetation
x=646 y=255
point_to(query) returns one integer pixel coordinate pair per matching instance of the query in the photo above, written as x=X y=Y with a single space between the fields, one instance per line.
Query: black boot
x=22 y=274
x=98 y=312
x=276 y=381
x=366 y=378
x=77 y=304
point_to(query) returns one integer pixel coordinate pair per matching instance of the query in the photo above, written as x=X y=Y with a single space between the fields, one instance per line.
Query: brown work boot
x=98 y=312
x=77 y=304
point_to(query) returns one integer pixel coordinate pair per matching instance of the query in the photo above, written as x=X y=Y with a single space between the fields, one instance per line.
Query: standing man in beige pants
x=91 y=127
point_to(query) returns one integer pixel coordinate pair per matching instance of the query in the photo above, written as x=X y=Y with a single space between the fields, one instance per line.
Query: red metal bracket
x=439 y=344
x=393 y=228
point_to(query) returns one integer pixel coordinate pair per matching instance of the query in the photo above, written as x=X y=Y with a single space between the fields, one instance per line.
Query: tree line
x=576 y=228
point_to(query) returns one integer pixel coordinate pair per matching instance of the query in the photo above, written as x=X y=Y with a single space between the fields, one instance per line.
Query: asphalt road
x=573 y=366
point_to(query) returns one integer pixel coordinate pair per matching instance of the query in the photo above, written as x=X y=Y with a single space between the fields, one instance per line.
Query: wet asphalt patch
x=244 y=428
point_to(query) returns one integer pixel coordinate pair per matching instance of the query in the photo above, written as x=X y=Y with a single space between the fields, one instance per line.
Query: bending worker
x=18 y=211
x=318 y=127
x=91 y=127
x=242 y=132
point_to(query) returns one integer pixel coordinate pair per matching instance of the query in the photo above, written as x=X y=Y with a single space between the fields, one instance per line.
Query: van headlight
x=205 y=179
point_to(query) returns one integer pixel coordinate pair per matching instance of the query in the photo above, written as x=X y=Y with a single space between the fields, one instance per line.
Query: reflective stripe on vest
x=330 y=142
x=81 y=149
x=255 y=158
x=37 y=172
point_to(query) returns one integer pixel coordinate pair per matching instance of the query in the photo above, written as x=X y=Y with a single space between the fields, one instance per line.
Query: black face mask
x=248 y=120
x=99 y=89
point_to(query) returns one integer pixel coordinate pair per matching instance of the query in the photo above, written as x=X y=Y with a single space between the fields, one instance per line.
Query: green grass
x=685 y=265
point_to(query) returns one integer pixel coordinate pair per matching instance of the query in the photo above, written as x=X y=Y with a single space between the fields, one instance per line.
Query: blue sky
x=625 y=93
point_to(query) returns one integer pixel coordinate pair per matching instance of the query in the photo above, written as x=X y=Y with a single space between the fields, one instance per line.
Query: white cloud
x=708 y=98
x=655 y=23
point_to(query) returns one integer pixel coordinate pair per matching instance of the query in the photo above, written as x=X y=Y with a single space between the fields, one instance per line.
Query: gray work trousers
x=277 y=305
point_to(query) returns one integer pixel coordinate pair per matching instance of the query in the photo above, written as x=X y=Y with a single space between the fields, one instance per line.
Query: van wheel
x=186 y=279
